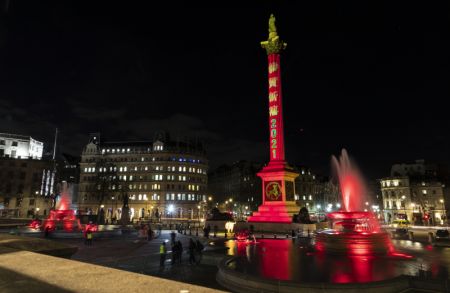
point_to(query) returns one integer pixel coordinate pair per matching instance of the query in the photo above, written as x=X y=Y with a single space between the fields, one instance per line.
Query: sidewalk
x=142 y=256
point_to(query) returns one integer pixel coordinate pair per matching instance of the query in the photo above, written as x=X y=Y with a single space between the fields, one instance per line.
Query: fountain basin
x=356 y=243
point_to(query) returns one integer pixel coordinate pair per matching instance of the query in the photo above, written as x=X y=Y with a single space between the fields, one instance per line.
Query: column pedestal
x=278 y=194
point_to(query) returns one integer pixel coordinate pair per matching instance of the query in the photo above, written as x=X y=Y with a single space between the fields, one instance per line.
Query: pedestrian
x=180 y=250
x=89 y=237
x=162 y=254
x=192 y=248
x=173 y=235
x=174 y=252
x=46 y=231
x=149 y=233
x=199 y=247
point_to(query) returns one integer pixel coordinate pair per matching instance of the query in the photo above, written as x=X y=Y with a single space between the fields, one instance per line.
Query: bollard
x=274 y=236
x=411 y=235
x=262 y=236
x=287 y=235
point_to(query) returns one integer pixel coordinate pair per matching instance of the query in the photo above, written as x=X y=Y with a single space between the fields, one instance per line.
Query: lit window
x=140 y=196
x=146 y=168
x=128 y=150
x=395 y=182
x=103 y=151
x=85 y=170
x=113 y=151
x=304 y=197
x=120 y=169
x=310 y=197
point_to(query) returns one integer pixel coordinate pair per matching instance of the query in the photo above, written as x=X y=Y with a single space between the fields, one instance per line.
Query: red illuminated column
x=276 y=136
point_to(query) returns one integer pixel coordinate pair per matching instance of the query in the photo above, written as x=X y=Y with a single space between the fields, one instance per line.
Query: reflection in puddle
x=288 y=260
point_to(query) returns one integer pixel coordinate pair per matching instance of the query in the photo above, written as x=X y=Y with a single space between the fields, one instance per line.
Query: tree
x=106 y=181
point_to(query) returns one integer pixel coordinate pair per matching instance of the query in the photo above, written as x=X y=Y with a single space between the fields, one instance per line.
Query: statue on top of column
x=273 y=45
x=272 y=28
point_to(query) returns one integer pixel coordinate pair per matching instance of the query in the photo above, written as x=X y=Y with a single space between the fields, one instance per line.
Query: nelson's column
x=278 y=178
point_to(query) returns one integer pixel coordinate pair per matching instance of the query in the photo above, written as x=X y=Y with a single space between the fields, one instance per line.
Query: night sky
x=373 y=78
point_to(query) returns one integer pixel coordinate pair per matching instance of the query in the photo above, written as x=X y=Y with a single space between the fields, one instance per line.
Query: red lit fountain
x=62 y=218
x=353 y=231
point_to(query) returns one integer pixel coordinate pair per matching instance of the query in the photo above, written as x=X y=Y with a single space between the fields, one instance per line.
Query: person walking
x=192 y=248
x=162 y=254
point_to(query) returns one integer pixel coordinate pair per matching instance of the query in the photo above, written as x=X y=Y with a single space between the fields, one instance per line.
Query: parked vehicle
x=400 y=223
x=400 y=233
x=442 y=238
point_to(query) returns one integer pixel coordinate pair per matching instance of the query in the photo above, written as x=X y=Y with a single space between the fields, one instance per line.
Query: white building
x=20 y=146
x=414 y=200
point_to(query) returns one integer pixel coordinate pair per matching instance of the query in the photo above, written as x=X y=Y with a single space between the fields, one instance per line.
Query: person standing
x=162 y=254
x=149 y=233
x=192 y=248
x=89 y=237
x=199 y=247
x=180 y=251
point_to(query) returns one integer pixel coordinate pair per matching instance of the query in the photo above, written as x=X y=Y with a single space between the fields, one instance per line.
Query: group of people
x=195 y=251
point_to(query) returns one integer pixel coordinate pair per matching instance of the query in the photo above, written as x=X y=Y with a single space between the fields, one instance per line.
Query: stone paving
x=141 y=256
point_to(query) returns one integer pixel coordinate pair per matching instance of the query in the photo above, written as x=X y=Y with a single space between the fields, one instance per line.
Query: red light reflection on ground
x=275 y=261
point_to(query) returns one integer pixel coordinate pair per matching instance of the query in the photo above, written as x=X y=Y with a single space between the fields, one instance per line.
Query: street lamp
x=404 y=206
x=443 y=210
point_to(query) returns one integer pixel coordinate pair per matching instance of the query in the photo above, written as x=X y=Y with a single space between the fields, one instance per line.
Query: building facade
x=237 y=182
x=20 y=146
x=420 y=201
x=26 y=187
x=162 y=178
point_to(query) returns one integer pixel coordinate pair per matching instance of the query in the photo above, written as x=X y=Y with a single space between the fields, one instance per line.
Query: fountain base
x=353 y=233
x=360 y=243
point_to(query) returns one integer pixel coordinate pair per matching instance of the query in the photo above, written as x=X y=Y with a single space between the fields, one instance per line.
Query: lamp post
x=404 y=206
x=443 y=214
